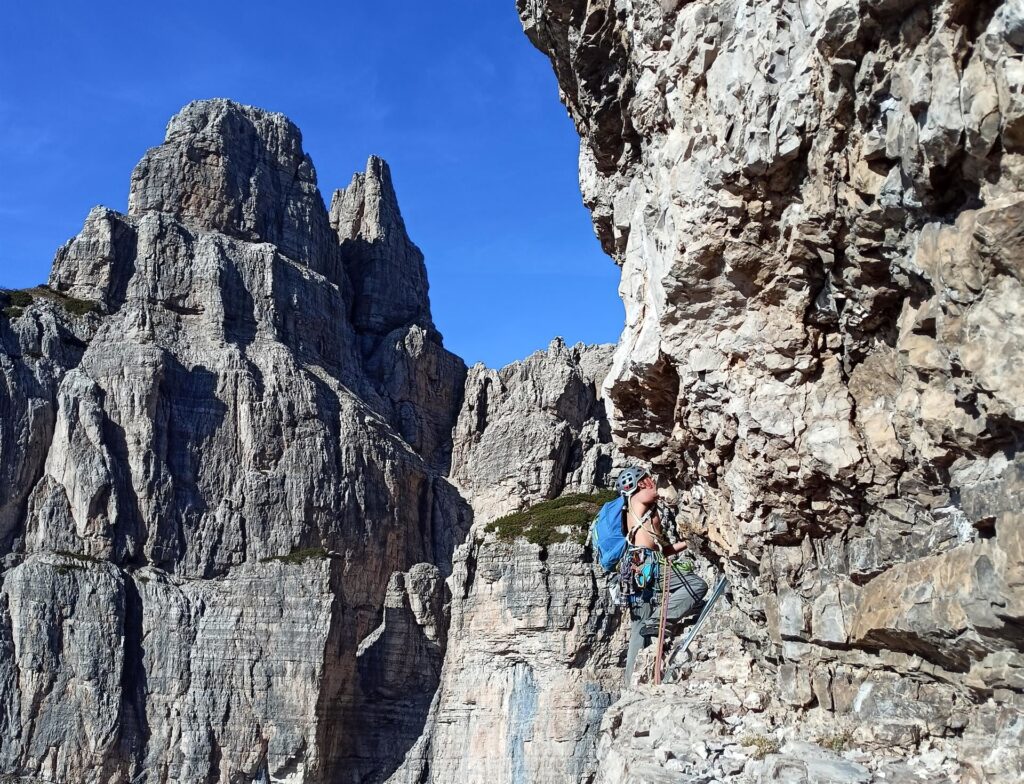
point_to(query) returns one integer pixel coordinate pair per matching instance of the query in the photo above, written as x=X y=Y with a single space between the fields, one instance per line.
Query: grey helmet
x=629 y=479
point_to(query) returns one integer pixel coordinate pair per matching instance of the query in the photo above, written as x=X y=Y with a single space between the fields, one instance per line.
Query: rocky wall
x=534 y=430
x=530 y=668
x=210 y=480
x=816 y=207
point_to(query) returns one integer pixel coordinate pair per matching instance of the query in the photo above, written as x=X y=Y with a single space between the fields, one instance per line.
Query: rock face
x=530 y=669
x=225 y=518
x=534 y=430
x=817 y=208
x=35 y=353
x=531 y=662
x=210 y=481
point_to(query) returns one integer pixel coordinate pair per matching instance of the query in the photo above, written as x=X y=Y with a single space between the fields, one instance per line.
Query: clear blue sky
x=451 y=94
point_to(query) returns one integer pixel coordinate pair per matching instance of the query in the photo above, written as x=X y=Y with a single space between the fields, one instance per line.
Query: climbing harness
x=683 y=568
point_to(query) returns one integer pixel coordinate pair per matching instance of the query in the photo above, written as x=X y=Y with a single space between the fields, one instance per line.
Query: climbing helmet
x=629 y=479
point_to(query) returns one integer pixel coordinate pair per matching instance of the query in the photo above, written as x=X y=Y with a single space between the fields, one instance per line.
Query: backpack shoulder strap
x=631 y=534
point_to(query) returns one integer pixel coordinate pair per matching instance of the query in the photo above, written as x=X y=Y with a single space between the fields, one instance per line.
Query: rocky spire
x=386 y=268
x=241 y=171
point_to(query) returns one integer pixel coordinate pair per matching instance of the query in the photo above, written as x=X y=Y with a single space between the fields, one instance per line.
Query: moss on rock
x=553 y=521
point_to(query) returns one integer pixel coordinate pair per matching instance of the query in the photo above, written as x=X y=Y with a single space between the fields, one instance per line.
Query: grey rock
x=240 y=171
x=96 y=265
x=386 y=269
x=399 y=666
x=810 y=763
x=181 y=461
x=36 y=349
x=420 y=381
x=61 y=635
x=534 y=430
x=529 y=669
x=226 y=521
x=817 y=207
x=233 y=678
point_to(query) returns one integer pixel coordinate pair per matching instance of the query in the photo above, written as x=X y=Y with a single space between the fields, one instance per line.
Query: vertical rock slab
x=530 y=666
x=528 y=673
x=36 y=349
x=816 y=209
x=533 y=430
x=399 y=667
x=236 y=672
x=62 y=632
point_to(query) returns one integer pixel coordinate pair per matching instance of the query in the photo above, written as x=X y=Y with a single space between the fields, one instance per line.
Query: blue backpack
x=606 y=534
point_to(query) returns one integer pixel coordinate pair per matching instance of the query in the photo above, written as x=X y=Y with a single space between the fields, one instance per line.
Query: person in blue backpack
x=648 y=550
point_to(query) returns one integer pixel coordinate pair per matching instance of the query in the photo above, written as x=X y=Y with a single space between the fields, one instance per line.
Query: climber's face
x=646 y=490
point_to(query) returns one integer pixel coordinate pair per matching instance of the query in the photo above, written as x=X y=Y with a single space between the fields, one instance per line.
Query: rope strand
x=663 y=573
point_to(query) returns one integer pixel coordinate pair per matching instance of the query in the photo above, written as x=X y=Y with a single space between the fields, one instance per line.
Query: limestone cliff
x=529 y=672
x=226 y=427
x=817 y=206
x=211 y=478
x=534 y=430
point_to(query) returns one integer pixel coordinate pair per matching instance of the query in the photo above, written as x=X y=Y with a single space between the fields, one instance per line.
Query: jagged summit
x=386 y=269
x=225 y=286
x=241 y=171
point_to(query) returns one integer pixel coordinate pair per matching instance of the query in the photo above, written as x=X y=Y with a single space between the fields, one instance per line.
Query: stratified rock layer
x=210 y=480
x=817 y=207
x=225 y=521
x=534 y=430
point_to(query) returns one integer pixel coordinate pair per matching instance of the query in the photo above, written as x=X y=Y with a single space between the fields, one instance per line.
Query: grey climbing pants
x=685 y=591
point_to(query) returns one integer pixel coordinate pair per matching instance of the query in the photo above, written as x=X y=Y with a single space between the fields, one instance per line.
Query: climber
x=641 y=524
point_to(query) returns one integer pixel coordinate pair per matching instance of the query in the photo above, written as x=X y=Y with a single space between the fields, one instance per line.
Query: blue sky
x=451 y=94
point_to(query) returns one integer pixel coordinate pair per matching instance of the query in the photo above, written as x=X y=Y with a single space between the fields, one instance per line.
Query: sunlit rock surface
x=225 y=518
x=208 y=481
x=817 y=208
x=534 y=430
x=531 y=667
x=533 y=648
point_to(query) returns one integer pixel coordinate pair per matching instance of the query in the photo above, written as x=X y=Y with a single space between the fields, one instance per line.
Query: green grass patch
x=15 y=302
x=558 y=520
x=298 y=556
x=79 y=557
x=762 y=745
x=836 y=742
x=19 y=299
